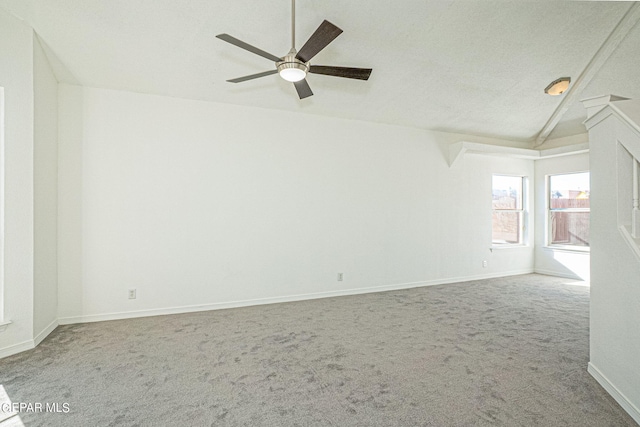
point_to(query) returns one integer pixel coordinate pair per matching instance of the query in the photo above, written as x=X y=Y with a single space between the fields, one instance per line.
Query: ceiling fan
x=294 y=66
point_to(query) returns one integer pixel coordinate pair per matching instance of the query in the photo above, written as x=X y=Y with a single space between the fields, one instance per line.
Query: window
x=508 y=210
x=569 y=210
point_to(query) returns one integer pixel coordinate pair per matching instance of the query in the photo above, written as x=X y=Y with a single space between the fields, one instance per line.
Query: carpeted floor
x=500 y=352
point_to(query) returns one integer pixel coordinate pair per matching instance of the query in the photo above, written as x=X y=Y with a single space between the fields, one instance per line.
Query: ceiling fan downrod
x=293 y=25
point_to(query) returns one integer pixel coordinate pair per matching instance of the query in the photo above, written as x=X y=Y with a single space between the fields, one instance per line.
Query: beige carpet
x=501 y=352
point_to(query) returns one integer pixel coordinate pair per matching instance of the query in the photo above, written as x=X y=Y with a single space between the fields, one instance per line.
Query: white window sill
x=507 y=246
x=574 y=249
x=3 y=325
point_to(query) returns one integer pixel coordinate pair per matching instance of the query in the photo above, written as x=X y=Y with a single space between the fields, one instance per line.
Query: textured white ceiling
x=476 y=67
x=619 y=76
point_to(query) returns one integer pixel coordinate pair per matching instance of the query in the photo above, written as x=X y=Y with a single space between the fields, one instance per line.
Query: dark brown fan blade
x=246 y=46
x=349 y=73
x=253 y=76
x=304 y=91
x=324 y=35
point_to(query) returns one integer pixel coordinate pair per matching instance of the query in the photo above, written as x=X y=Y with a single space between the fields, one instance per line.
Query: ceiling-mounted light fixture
x=558 y=87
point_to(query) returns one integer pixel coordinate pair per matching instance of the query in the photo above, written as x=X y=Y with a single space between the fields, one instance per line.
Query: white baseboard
x=16 y=348
x=559 y=274
x=275 y=300
x=615 y=393
x=29 y=344
x=45 y=332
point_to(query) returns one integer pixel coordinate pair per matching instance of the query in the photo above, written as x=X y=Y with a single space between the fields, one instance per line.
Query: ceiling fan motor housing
x=290 y=63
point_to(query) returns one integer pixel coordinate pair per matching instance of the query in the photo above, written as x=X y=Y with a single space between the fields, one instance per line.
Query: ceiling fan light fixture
x=292 y=71
x=558 y=86
x=292 y=74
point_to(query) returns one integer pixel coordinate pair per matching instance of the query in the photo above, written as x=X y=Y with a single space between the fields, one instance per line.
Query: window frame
x=523 y=213
x=550 y=211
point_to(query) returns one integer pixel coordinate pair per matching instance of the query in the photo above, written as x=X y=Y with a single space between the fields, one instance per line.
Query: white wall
x=70 y=192
x=196 y=203
x=556 y=262
x=16 y=76
x=45 y=293
x=615 y=271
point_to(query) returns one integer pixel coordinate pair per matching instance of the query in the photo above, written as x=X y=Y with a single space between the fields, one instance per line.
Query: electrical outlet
x=485 y=263
x=340 y=277
x=132 y=294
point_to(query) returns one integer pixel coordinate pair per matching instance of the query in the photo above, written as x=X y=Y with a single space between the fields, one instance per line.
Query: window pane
x=569 y=228
x=569 y=191
x=507 y=192
x=506 y=227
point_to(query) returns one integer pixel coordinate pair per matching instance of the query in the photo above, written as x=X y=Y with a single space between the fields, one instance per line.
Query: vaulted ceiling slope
x=476 y=67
